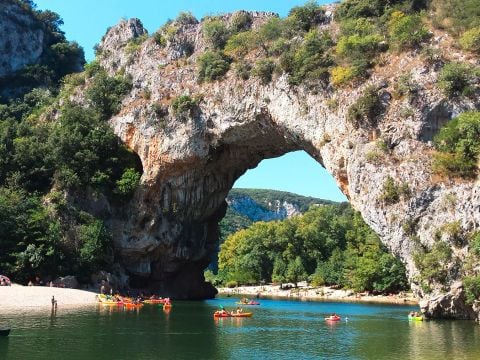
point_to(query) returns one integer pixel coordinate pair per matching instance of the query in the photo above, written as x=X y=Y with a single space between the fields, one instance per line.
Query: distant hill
x=246 y=206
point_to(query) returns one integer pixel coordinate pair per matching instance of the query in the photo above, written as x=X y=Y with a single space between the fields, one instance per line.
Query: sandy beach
x=304 y=292
x=18 y=296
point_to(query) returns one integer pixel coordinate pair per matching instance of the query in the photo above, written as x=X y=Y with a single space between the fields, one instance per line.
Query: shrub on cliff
x=472 y=288
x=458 y=143
x=355 y=47
x=457 y=79
x=342 y=74
x=186 y=18
x=240 y=22
x=183 y=106
x=406 y=31
x=393 y=192
x=354 y=9
x=303 y=18
x=360 y=27
x=212 y=65
x=470 y=40
x=311 y=60
x=240 y=44
x=263 y=69
x=215 y=32
x=366 y=109
x=433 y=263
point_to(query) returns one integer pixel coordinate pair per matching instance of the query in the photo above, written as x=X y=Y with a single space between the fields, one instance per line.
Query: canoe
x=154 y=301
x=132 y=305
x=246 y=314
x=4 y=331
x=333 y=318
x=248 y=303
x=415 y=318
x=107 y=302
x=219 y=314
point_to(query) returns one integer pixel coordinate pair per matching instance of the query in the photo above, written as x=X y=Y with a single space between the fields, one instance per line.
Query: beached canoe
x=111 y=302
x=4 y=331
x=333 y=318
x=415 y=318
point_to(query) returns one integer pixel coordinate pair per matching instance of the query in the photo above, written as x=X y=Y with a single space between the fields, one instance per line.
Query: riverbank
x=324 y=293
x=18 y=296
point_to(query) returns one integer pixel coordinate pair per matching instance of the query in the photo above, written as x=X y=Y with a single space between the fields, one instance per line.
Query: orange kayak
x=132 y=305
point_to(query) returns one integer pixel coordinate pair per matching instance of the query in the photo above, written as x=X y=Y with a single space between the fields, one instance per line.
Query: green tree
x=296 y=271
x=95 y=240
x=128 y=183
x=106 y=93
x=279 y=271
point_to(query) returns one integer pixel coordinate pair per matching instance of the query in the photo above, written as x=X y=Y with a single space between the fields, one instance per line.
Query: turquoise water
x=279 y=329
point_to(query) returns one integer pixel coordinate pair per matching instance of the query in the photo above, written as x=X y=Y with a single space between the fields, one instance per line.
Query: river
x=279 y=329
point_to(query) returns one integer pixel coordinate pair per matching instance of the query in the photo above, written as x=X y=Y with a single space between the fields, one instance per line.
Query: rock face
x=22 y=40
x=245 y=205
x=190 y=163
x=268 y=205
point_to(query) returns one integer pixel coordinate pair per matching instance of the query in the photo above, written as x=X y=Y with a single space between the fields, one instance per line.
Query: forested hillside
x=56 y=158
x=246 y=206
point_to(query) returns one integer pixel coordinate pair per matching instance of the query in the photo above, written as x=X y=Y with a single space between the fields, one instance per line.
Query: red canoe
x=333 y=318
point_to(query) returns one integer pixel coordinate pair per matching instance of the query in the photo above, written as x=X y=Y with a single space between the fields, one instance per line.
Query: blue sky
x=86 y=21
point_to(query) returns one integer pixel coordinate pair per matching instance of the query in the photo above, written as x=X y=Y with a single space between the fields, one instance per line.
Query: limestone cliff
x=191 y=163
x=23 y=38
x=268 y=205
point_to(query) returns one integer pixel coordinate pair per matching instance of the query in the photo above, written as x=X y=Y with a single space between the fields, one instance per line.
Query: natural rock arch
x=191 y=162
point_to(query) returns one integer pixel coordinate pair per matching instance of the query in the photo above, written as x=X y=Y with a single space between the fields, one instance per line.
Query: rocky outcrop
x=268 y=205
x=191 y=163
x=22 y=40
x=246 y=206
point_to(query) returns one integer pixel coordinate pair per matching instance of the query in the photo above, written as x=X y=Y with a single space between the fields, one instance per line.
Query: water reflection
x=454 y=339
